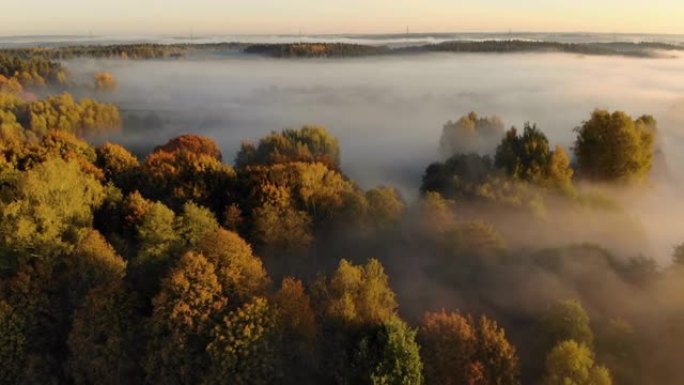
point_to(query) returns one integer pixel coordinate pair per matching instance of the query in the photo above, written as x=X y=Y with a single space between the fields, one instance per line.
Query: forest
x=42 y=56
x=182 y=267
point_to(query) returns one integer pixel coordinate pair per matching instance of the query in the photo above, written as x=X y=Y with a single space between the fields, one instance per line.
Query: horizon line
x=175 y=35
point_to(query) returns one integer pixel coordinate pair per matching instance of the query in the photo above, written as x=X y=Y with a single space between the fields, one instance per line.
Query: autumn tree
x=385 y=207
x=105 y=339
x=566 y=320
x=282 y=228
x=244 y=346
x=470 y=134
x=286 y=205
x=47 y=267
x=457 y=177
x=43 y=212
x=497 y=356
x=528 y=157
x=386 y=354
x=63 y=112
x=360 y=294
x=10 y=85
x=458 y=350
x=184 y=314
x=572 y=362
x=363 y=340
x=193 y=224
x=613 y=147
x=35 y=298
x=93 y=262
x=241 y=274
x=307 y=144
x=118 y=164
x=298 y=329
x=196 y=144
x=187 y=168
x=435 y=215
x=105 y=81
x=448 y=343
x=295 y=311
x=157 y=246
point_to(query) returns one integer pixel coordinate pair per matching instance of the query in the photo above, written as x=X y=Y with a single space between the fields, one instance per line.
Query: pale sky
x=178 y=17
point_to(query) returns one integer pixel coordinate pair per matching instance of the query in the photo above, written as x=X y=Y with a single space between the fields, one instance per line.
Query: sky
x=182 y=17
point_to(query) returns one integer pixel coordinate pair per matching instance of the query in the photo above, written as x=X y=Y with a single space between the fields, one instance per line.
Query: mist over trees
x=182 y=267
x=470 y=134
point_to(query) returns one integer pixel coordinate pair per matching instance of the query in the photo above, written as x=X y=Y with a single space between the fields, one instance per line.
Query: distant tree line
x=30 y=70
x=19 y=59
x=503 y=46
x=22 y=119
x=313 y=50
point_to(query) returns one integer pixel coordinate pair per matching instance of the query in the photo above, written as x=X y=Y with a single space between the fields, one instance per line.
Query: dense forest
x=44 y=56
x=182 y=267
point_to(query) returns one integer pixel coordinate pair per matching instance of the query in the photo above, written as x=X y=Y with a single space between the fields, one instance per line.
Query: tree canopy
x=471 y=134
x=613 y=147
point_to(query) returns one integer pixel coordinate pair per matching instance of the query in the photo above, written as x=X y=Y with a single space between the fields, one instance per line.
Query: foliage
x=296 y=316
x=185 y=310
x=386 y=355
x=31 y=71
x=117 y=272
x=105 y=81
x=242 y=275
x=528 y=157
x=118 y=165
x=104 y=339
x=470 y=134
x=282 y=228
x=448 y=343
x=615 y=148
x=567 y=320
x=436 y=214
x=93 y=262
x=42 y=213
x=307 y=144
x=386 y=207
x=458 y=176
x=157 y=246
x=360 y=294
x=194 y=224
x=458 y=350
x=572 y=363
x=314 y=50
x=243 y=347
x=186 y=169
x=62 y=112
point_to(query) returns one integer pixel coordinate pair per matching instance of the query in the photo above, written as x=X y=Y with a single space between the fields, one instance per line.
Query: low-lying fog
x=388 y=112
